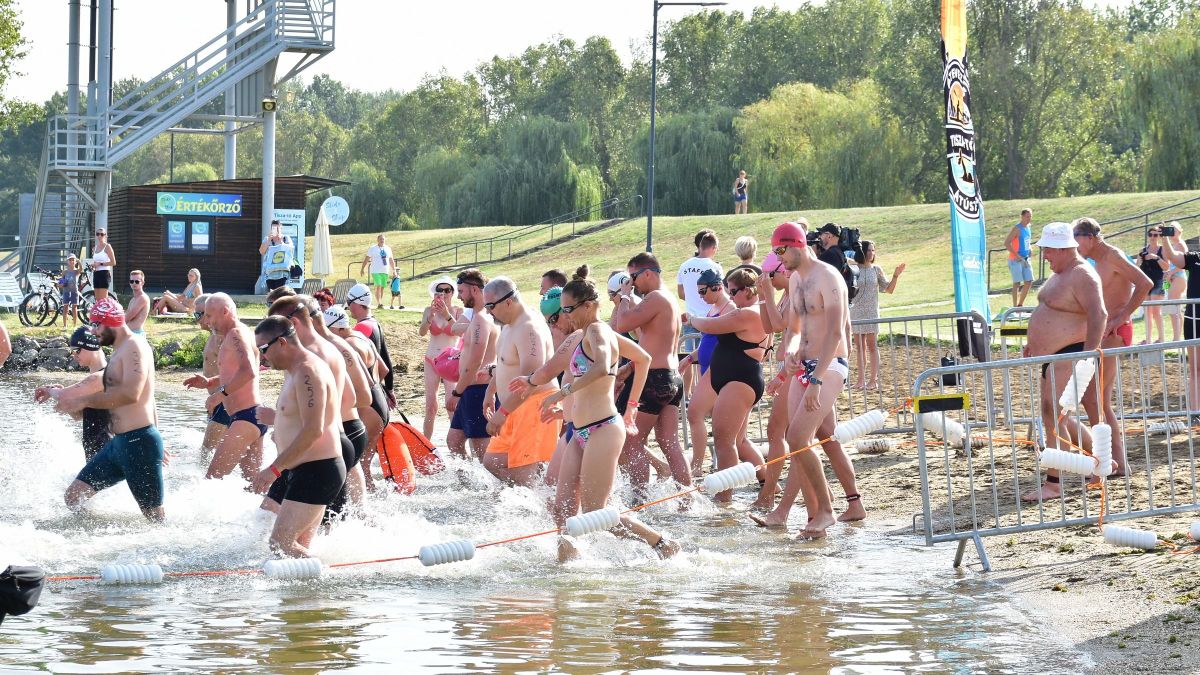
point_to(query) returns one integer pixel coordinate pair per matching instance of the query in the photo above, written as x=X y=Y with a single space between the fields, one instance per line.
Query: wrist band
x=504 y=412
x=275 y=471
x=781 y=376
x=455 y=394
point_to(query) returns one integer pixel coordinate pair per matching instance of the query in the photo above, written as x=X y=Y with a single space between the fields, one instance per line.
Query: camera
x=1168 y=231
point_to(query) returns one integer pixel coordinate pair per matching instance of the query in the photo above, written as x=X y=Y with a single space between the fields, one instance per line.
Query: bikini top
x=581 y=363
x=190 y=291
x=436 y=329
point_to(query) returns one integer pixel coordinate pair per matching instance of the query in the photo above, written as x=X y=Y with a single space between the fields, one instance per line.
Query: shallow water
x=738 y=599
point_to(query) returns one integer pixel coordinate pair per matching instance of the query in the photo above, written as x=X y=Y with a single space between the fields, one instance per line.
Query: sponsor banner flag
x=968 y=243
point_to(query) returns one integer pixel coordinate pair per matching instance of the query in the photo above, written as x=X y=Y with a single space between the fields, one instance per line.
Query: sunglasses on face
x=704 y=290
x=567 y=309
x=443 y=290
x=492 y=305
x=642 y=271
x=262 y=349
x=779 y=250
x=135 y=282
x=1154 y=235
x=734 y=291
x=198 y=315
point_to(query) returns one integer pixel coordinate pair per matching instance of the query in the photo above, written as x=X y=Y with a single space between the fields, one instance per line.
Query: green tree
x=190 y=173
x=693 y=162
x=1161 y=99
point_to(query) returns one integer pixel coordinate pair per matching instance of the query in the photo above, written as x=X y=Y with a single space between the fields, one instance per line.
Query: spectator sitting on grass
x=184 y=303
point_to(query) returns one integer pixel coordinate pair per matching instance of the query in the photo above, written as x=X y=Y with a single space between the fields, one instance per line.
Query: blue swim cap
x=552 y=301
x=708 y=278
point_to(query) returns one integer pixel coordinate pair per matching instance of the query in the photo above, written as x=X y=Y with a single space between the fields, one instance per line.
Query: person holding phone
x=1175 y=281
x=437 y=321
x=276 y=251
x=1154 y=264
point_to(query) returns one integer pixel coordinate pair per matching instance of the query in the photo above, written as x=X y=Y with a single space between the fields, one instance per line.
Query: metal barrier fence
x=1010 y=326
x=908 y=345
x=975 y=490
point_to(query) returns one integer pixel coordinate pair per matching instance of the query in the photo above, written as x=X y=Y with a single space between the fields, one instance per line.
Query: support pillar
x=230 y=100
x=268 y=172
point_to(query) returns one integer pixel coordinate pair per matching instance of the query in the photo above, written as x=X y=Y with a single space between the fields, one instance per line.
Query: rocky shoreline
x=53 y=354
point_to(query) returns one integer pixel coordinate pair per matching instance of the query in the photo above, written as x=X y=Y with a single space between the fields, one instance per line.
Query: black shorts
x=272 y=284
x=664 y=387
x=337 y=506
x=101 y=279
x=356 y=432
x=1073 y=348
x=316 y=482
x=1191 y=323
x=623 y=395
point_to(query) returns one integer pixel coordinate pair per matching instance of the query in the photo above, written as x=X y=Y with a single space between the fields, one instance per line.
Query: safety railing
x=907 y=345
x=518 y=240
x=1011 y=325
x=76 y=142
x=978 y=447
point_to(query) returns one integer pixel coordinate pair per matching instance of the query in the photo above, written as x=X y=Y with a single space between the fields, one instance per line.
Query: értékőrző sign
x=199 y=204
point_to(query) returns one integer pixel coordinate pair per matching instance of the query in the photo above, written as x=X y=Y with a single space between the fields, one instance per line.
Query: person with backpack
x=833 y=253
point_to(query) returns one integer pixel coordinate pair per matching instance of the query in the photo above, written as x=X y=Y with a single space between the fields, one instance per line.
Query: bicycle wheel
x=33 y=310
x=53 y=309
x=86 y=299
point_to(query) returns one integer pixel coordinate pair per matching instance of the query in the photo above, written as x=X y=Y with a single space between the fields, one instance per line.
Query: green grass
x=916 y=235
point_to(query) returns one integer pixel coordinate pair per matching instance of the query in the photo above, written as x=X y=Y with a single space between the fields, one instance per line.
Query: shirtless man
x=521 y=443
x=817 y=315
x=300 y=310
x=306 y=433
x=135 y=454
x=370 y=406
x=338 y=323
x=236 y=386
x=218 y=418
x=139 y=303
x=465 y=401
x=1125 y=287
x=1070 y=317
x=657 y=319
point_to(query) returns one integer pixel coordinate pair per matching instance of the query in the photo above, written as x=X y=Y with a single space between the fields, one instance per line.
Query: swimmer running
x=307 y=427
x=135 y=454
x=589 y=465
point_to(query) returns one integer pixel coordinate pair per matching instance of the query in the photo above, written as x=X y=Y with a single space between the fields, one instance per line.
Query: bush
x=189 y=355
x=406 y=223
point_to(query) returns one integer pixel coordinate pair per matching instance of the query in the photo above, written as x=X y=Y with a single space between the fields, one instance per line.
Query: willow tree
x=1162 y=89
x=693 y=169
x=806 y=147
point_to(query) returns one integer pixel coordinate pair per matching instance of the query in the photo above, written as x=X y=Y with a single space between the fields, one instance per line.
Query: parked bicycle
x=41 y=307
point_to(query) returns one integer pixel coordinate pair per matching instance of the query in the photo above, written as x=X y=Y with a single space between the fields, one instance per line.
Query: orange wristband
x=275 y=471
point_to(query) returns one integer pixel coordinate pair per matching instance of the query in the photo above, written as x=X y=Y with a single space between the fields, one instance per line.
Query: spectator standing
x=103 y=262
x=277 y=252
x=1189 y=261
x=383 y=267
x=1154 y=263
x=139 y=303
x=1017 y=244
x=741 y=198
x=686 y=285
x=1175 y=283
x=68 y=282
x=871 y=282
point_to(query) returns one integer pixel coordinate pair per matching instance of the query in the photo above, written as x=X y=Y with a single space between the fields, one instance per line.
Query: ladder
x=81 y=150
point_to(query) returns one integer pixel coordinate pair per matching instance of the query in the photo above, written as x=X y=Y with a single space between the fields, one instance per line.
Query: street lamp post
x=653 y=107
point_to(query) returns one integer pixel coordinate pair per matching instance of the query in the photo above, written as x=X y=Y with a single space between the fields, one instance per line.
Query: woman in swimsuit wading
x=589 y=464
x=700 y=405
x=438 y=323
x=736 y=369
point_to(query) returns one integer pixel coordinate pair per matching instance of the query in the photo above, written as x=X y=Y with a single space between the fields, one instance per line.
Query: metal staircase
x=81 y=150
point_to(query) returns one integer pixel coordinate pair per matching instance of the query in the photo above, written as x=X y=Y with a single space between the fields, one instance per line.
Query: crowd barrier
x=979 y=448
x=1011 y=324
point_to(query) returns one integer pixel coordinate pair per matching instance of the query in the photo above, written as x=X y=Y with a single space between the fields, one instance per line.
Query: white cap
x=335 y=317
x=1057 y=235
x=440 y=281
x=359 y=293
x=616 y=281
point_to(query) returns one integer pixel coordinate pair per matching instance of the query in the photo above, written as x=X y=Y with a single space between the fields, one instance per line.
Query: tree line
x=831 y=105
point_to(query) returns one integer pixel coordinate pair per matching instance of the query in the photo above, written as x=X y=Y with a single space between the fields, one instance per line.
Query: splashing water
x=739 y=598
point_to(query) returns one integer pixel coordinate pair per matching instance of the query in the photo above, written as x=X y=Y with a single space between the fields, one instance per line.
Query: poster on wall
x=201 y=242
x=177 y=235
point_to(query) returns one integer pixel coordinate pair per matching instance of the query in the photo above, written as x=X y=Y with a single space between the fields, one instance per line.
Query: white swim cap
x=360 y=294
x=335 y=317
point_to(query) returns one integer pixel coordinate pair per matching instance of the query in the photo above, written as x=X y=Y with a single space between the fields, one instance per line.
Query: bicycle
x=41 y=307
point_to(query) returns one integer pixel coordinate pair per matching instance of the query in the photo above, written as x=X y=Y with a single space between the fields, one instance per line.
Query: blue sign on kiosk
x=199 y=204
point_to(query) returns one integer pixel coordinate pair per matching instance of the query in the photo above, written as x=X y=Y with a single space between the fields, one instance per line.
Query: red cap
x=789 y=234
x=107 y=312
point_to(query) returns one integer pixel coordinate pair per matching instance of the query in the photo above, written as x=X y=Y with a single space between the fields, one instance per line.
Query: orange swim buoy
x=395 y=460
x=420 y=448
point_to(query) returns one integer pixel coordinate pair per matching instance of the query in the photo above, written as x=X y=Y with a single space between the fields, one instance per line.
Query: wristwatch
x=221 y=390
x=813 y=379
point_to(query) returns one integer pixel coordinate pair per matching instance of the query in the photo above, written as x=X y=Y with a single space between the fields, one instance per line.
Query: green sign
x=199 y=204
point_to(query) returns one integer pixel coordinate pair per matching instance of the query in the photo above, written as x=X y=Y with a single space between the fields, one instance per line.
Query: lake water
x=739 y=599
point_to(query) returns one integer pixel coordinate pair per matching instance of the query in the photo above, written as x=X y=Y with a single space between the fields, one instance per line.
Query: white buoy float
x=292 y=568
x=1067 y=462
x=447 y=552
x=1081 y=376
x=733 y=477
x=1130 y=537
x=1195 y=531
x=599 y=520
x=875 y=446
x=1102 y=437
x=131 y=574
x=860 y=426
x=938 y=424
x=1168 y=428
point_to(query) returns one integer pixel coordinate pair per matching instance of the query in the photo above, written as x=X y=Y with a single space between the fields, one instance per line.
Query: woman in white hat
x=437 y=321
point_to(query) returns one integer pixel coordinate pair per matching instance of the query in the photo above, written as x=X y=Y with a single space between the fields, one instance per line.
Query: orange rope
x=520 y=538
x=84 y=577
x=372 y=562
x=213 y=573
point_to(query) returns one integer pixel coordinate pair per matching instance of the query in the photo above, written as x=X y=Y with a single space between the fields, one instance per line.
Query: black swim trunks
x=248 y=415
x=1073 y=348
x=664 y=387
x=316 y=482
x=220 y=415
x=336 y=507
x=379 y=403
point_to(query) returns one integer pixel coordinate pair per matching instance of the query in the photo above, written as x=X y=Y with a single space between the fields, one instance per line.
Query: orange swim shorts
x=525 y=438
